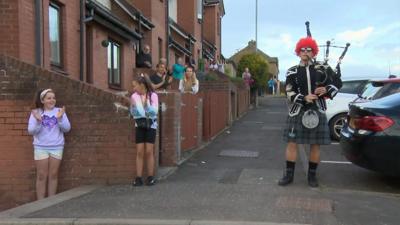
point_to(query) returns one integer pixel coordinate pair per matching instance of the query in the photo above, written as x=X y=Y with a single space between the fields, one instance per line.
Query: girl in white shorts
x=47 y=124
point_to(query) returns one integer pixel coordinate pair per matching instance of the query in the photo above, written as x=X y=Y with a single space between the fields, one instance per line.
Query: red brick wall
x=210 y=24
x=27 y=31
x=99 y=149
x=9 y=27
x=143 y=6
x=187 y=19
x=159 y=31
x=186 y=15
x=100 y=70
x=170 y=126
x=155 y=12
x=70 y=36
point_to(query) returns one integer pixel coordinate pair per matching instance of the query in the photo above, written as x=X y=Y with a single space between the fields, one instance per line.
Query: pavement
x=233 y=180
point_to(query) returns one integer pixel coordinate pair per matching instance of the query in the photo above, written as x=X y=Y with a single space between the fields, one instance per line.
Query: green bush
x=211 y=76
x=236 y=80
x=258 y=67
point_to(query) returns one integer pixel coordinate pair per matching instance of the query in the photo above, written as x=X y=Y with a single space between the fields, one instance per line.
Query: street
x=235 y=179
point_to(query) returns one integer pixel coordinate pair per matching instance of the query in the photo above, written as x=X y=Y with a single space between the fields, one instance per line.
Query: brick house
x=192 y=28
x=214 y=10
x=96 y=41
x=273 y=62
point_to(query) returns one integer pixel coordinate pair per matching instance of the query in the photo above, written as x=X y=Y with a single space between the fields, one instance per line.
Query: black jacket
x=141 y=59
x=297 y=85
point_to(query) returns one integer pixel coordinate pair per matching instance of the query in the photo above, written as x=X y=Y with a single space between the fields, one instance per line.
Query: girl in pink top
x=144 y=109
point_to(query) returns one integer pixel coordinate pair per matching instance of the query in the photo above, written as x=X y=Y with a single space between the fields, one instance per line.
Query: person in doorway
x=47 y=123
x=144 y=109
x=306 y=122
x=143 y=59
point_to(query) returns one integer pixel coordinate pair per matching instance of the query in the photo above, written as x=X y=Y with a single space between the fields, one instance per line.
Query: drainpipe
x=139 y=16
x=81 y=39
x=38 y=32
x=202 y=28
x=167 y=31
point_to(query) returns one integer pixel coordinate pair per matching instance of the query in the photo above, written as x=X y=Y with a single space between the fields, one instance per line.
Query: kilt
x=295 y=131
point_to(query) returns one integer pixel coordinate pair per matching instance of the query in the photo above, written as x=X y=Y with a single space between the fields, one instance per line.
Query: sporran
x=310 y=119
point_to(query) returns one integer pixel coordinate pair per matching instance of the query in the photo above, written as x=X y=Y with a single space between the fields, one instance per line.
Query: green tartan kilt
x=295 y=131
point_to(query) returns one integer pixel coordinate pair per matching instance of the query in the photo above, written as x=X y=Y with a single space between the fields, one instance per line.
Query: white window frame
x=173 y=10
x=200 y=9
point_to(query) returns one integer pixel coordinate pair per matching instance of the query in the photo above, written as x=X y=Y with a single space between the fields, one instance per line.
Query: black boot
x=312 y=174
x=287 y=177
x=138 y=182
x=151 y=181
x=312 y=178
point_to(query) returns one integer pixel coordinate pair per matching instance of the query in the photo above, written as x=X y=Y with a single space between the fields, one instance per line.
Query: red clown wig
x=307 y=42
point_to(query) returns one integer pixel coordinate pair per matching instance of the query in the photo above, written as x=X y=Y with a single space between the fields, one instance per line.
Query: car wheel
x=336 y=124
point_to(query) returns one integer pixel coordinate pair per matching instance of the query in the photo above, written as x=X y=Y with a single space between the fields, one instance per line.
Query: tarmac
x=233 y=180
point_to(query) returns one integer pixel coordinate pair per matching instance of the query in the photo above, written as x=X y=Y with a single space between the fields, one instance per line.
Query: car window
x=352 y=87
x=387 y=89
x=370 y=91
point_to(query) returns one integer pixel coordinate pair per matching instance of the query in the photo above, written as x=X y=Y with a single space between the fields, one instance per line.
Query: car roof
x=355 y=79
x=388 y=80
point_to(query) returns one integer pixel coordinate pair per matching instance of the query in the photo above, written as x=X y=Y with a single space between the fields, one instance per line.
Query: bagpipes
x=324 y=71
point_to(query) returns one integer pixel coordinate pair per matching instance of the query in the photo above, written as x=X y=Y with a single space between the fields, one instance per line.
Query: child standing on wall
x=47 y=124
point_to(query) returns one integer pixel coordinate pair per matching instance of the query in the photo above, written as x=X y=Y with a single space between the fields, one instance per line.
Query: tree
x=258 y=67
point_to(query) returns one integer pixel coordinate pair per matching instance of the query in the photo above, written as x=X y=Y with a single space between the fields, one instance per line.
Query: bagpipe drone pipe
x=325 y=72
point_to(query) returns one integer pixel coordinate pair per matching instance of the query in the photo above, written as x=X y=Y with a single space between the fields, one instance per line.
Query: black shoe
x=287 y=178
x=151 y=181
x=312 y=180
x=138 y=182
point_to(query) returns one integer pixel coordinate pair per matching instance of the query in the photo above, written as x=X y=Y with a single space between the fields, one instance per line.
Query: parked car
x=354 y=86
x=337 y=107
x=371 y=137
x=337 y=110
x=378 y=89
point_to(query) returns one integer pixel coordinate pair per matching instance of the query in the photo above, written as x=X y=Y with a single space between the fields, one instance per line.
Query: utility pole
x=256 y=22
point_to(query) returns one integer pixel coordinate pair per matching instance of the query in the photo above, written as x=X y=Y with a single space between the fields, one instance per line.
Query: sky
x=372 y=28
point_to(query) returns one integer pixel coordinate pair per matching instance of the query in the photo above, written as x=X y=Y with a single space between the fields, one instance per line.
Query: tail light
x=372 y=123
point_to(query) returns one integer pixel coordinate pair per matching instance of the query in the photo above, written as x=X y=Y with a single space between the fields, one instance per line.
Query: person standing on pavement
x=306 y=122
x=47 y=124
x=144 y=109
x=246 y=76
x=271 y=86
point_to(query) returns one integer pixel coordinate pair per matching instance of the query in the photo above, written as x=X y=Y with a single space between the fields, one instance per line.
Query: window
x=160 y=45
x=105 y=3
x=55 y=34
x=353 y=87
x=173 y=10
x=177 y=57
x=199 y=9
x=114 y=64
x=387 y=89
